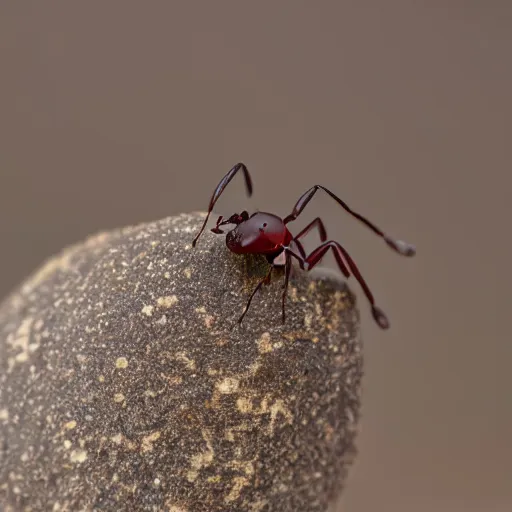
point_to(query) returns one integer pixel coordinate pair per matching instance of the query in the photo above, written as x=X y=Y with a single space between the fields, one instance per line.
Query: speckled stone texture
x=126 y=385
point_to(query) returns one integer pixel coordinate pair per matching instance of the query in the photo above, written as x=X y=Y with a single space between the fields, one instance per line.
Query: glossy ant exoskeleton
x=267 y=234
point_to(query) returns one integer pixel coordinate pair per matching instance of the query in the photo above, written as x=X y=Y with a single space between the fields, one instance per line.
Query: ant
x=267 y=234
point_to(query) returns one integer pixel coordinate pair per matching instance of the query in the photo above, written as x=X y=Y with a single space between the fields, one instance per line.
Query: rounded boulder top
x=126 y=383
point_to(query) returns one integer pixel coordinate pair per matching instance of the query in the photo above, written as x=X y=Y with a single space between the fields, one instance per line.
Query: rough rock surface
x=125 y=384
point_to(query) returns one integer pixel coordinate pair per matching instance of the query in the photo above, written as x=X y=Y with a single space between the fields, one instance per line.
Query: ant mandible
x=267 y=234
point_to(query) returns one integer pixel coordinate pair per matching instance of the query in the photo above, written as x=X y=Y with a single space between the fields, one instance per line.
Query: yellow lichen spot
x=253 y=368
x=263 y=406
x=244 y=405
x=208 y=321
x=239 y=482
x=118 y=398
x=101 y=378
x=308 y=320
x=279 y=408
x=228 y=385
x=258 y=506
x=329 y=431
x=4 y=414
x=70 y=425
x=121 y=362
x=21 y=357
x=189 y=363
x=201 y=460
x=150 y=393
x=21 y=340
x=188 y=273
x=147 y=442
x=148 y=310
x=167 y=275
x=201 y=310
x=173 y=380
x=214 y=479
x=264 y=344
x=67 y=444
x=176 y=508
x=167 y=302
x=118 y=438
x=246 y=466
x=78 y=456
x=338 y=297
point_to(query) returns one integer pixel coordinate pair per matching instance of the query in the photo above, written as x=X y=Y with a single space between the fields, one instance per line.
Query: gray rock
x=127 y=385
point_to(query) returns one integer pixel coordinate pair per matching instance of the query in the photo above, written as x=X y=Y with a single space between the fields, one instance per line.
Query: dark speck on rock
x=126 y=384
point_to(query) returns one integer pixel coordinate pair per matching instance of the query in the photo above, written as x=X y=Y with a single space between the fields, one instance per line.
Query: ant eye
x=264 y=224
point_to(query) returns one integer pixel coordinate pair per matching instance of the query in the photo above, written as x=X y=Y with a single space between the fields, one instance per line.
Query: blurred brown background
x=115 y=113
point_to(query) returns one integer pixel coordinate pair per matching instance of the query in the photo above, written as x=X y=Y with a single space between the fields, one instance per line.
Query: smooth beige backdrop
x=118 y=112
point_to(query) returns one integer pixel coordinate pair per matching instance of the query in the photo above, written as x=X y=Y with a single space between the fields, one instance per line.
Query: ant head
x=237 y=218
x=260 y=233
x=234 y=219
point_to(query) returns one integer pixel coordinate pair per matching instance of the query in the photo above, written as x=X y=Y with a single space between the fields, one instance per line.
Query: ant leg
x=341 y=256
x=340 y=262
x=317 y=223
x=287 y=270
x=399 y=246
x=322 y=232
x=265 y=280
x=220 y=188
x=302 y=251
x=303 y=263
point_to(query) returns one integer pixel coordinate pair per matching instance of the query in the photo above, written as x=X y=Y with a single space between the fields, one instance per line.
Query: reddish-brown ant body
x=267 y=234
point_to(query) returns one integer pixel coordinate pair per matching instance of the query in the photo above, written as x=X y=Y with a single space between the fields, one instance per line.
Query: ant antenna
x=220 y=188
